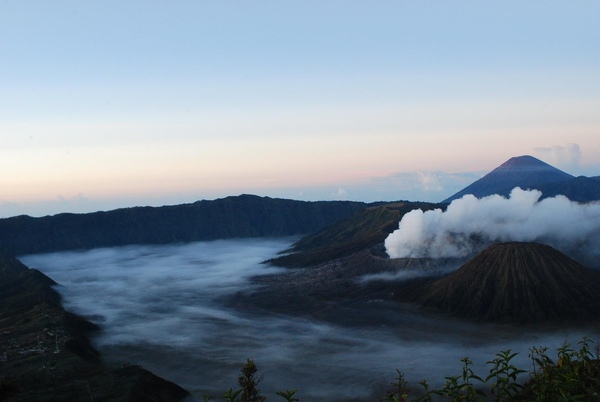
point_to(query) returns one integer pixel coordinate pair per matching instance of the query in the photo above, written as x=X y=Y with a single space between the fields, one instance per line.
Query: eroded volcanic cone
x=518 y=282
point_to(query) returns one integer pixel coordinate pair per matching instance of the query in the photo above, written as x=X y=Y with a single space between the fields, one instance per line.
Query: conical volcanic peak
x=526 y=163
x=525 y=171
x=518 y=282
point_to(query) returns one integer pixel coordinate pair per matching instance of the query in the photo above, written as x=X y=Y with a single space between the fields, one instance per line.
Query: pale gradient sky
x=107 y=104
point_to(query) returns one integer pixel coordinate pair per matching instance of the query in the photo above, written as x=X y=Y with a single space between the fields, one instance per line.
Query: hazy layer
x=160 y=306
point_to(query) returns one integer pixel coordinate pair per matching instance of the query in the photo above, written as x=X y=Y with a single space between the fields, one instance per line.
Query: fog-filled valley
x=169 y=309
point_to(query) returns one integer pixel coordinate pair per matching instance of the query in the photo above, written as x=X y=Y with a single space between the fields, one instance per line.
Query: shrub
x=248 y=381
x=575 y=376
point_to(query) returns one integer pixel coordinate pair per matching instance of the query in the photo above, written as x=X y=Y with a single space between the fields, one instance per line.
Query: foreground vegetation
x=574 y=375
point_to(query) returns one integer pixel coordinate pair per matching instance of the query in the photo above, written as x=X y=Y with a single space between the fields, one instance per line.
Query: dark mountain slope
x=580 y=189
x=525 y=171
x=517 y=282
x=363 y=230
x=46 y=356
x=241 y=216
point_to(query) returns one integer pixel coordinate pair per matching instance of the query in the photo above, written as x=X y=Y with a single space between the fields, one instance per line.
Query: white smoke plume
x=470 y=222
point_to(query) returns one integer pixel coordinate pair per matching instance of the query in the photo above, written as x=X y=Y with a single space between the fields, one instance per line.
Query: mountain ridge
x=241 y=216
x=364 y=229
x=580 y=189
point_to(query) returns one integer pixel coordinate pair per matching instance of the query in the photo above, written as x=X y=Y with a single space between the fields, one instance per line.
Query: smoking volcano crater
x=520 y=277
x=515 y=282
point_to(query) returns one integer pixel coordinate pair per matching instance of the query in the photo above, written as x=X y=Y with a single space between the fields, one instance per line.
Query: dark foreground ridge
x=516 y=282
x=230 y=217
x=45 y=354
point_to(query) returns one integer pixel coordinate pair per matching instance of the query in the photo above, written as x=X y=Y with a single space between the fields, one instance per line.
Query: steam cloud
x=470 y=222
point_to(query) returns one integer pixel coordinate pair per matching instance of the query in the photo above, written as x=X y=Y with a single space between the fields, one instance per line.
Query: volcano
x=524 y=171
x=517 y=282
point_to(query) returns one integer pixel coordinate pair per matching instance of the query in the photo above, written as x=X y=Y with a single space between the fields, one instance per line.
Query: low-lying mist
x=470 y=223
x=163 y=307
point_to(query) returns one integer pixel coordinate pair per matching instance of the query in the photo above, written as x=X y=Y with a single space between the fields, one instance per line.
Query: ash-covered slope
x=517 y=282
x=525 y=171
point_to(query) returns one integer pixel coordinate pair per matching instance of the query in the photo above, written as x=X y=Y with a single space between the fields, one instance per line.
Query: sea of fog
x=164 y=308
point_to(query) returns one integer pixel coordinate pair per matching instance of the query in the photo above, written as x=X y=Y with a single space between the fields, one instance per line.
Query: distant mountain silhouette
x=525 y=171
x=516 y=282
x=231 y=217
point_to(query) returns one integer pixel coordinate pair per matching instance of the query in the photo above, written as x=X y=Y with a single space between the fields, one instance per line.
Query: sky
x=107 y=104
